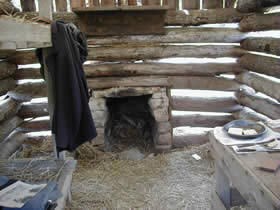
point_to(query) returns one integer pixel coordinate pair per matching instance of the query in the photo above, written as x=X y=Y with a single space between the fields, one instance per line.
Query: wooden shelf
x=19 y=34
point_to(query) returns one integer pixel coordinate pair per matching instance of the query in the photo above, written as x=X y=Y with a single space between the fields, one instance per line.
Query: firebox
x=132 y=117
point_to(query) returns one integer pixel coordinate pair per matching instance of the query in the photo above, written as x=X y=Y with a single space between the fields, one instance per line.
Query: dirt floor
x=168 y=181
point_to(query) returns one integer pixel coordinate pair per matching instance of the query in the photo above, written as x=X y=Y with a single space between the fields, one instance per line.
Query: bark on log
x=260 y=83
x=28 y=5
x=212 y=4
x=11 y=144
x=177 y=35
x=8 y=126
x=28 y=91
x=7 y=70
x=186 y=136
x=259 y=22
x=6 y=7
x=255 y=5
x=141 y=81
x=61 y=5
x=267 y=45
x=32 y=110
x=35 y=125
x=6 y=85
x=198 y=17
x=128 y=52
x=23 y=57
x=249 y=114
x=260 y=104
x=261 y=64
x=27 y=73
x=207 y=120
x=8 y=108
x=203 y=83
x=207 y=69
x=204 y=104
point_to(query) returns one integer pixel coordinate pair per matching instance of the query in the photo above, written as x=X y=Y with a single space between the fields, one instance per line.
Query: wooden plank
x=8 y=108
x=7 y=69
x=128 y=52
x=203 y=83
x=266 y=45
x=187 y=136
x=204 y=104
x=136 y=69
x=260 y=22
x=61 y=5
x=28 y=5
x=260 y=83
x=262 y=105
x=249 y=114
x=212 y=4
x=140 y=81
x=191 y=4
x=198 y=119
x=29 y=32
x=259 y=188
x=261 y=64
x=177 y=35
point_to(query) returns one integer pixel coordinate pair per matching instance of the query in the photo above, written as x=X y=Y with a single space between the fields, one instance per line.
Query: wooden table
x=238 y=177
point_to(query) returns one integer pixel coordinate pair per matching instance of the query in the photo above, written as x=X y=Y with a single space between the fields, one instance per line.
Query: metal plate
x=246 y=124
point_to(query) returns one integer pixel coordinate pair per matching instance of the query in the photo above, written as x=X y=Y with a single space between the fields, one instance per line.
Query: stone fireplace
x=132 y=116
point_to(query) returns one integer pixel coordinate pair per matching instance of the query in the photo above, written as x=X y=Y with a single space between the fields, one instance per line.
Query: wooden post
x=28 y=5
x=212 y=4
x=61 y=5
x=45 y=10
x=191 y=4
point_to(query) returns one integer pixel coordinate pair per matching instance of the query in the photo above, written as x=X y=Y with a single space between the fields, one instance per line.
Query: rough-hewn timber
x=204 y=104
x=255 y=5
x=264 y=44
x=7 y=69
x=6 y=85
x=27 y=73
x=35 y=125
x=260 y=83
x=8 y=108
x=8 y=126
x=261 y=64
x=259 y=22
x=260 y=104
x=31 y=110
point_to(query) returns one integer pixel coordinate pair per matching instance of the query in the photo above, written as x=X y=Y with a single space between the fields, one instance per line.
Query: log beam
x=259 y=22
x=255 y=5
x=199 y=119
x=207 y=69
x=28 y=91
x=130 y=52
x=261 y=83
x=249 y=114
x=27 y=73
x=266 y=45
x=23 y=57
x=187 y=136
x=8 y=126
x=8 y=108
x=261 y=64
x=177 y=35
x=35 y=125
x=204 y=104
x=203 y=83
x=32 y=110
x=260 y=104
x=6 y=85
x=7 y=70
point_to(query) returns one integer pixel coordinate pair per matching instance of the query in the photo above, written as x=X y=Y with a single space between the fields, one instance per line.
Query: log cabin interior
x=166 y=78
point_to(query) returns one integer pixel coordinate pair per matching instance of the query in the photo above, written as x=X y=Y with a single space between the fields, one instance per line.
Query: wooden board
x=259 y=188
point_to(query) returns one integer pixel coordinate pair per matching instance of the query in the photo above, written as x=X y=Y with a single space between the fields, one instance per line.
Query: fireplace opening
x=130 y=123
